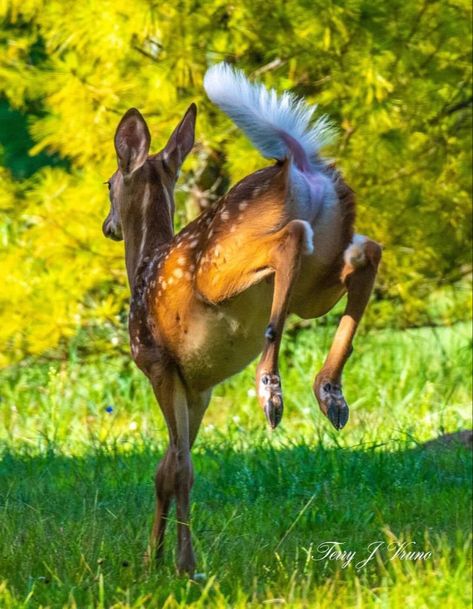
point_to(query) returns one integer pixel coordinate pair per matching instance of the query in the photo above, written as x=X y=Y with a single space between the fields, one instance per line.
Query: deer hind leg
x=174 y=477
x=269 y=253
x=295 y=240
x=362 y=258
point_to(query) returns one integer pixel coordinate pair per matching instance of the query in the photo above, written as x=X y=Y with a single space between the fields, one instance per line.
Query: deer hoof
x=186 y=569
x=338 y=414
x=271 y=396
x=332 y=403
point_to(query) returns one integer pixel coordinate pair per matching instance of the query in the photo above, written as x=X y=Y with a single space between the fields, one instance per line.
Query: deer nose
x=111 y=230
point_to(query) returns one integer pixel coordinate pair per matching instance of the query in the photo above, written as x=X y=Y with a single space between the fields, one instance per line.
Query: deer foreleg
x=174 y=477
x=358 y=274
x=295 y=239
x=165 y=487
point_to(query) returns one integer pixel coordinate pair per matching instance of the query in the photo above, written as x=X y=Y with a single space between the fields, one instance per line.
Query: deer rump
x=281 y=128
x=229 y=247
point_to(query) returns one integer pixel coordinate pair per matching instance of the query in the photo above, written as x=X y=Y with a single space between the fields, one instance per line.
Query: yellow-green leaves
x=394 y=76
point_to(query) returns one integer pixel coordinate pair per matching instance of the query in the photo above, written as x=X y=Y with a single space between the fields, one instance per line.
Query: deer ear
x=181 y=141
x=132 y=140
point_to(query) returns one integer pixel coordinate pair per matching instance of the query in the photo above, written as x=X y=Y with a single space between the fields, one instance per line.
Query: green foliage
x=75 y=530
x=394 y=76
x=76 y=484
x=412 y=383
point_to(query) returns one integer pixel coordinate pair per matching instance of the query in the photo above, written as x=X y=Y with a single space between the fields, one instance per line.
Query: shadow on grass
x=260 y=512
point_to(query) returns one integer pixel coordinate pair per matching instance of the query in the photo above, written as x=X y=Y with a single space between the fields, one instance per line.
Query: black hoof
x=338 y=414
x=273 y=410
x=331 y=401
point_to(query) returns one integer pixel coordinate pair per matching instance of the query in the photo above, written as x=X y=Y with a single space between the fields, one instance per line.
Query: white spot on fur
x=273 y=387
x=234 y=325
x=225 y=215
x=309 y=238
x=355 y=252
x=264 y=391
x=178 y=273
x=243 y=205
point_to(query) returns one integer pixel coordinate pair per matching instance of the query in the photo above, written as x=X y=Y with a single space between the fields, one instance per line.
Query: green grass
x=76 y=484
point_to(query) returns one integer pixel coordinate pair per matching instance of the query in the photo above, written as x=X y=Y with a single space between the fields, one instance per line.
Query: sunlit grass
x=76 y=486
x=412 y=384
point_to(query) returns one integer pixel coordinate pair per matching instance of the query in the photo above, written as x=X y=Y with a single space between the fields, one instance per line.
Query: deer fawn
x=206 y=301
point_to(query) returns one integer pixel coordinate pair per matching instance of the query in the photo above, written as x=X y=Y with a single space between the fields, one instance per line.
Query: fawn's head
x=142 y=180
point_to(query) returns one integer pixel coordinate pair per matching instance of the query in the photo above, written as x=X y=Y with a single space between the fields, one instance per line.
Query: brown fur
x=206 y=301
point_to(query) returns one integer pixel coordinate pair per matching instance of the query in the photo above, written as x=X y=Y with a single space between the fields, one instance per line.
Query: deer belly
x=222 y=340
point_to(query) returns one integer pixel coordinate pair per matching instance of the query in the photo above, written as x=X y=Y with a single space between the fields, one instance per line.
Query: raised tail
x=280 y=126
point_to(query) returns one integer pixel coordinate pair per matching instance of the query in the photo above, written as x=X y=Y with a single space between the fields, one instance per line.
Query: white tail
x=278 y=125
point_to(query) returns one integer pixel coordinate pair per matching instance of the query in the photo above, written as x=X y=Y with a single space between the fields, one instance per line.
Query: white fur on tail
x=267 y=117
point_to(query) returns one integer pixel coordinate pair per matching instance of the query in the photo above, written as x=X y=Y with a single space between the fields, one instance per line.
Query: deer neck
x=148 y=225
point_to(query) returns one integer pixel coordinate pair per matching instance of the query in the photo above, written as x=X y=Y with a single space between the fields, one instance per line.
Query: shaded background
x=395 y=77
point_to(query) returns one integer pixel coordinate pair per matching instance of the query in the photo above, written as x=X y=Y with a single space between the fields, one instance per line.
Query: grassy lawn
x=76 y=484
